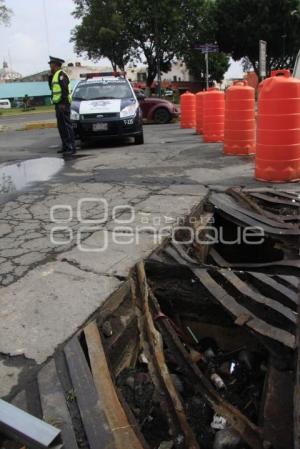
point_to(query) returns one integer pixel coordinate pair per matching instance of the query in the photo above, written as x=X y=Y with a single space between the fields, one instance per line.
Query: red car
x=156 y=109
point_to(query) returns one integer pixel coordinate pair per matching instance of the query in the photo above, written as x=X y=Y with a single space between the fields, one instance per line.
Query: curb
x=39 y=125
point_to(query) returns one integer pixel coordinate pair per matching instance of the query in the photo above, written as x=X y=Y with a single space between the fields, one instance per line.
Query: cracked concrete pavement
x=49 y=286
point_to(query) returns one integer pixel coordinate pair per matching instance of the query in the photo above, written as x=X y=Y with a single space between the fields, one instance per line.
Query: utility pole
x=284 y=36
x=157 y=45
x=206 y=69
x=205 y=49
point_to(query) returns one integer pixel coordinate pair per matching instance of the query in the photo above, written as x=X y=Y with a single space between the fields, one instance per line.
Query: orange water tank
x=188 y=110
x=199 y=112
x=278 y=131
x=213 y=115
x=239 y=131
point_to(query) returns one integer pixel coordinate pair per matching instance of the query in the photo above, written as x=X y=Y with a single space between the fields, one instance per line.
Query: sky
x=26 y=44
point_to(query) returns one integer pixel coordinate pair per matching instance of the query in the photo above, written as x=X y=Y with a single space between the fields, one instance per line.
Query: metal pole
x=206 y=69
x=157 y=39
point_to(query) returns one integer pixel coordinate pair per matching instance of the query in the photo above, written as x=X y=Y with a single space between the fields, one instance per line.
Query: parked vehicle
x=168 y=93
x=105 y=105
x=156 y=109
x=5 y=104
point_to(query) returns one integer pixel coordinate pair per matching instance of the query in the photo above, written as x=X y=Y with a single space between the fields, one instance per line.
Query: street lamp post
x=284 y=36
x=157 y=44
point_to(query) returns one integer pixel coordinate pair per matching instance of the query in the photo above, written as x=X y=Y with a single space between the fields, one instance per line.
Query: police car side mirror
x=140 y=96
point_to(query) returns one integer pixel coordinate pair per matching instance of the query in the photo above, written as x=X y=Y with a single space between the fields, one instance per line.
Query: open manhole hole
x=199 y=348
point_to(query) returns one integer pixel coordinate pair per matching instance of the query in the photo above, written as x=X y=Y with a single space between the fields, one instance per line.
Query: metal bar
x=221 y=262
x=229 y=303
x=237 y=310
x=276 y=286
x=257 y=297
x=243 y=216
x=260 y=213
x=261 y=196
x=292 y=280
x=25 y=428
x=206 y=69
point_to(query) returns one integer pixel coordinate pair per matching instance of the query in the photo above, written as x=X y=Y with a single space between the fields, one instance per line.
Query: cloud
x=25 y=40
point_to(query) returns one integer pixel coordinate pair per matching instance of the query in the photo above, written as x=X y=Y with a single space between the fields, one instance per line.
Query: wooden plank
x=293 y=280
x=278 y=408
x=123 y=432
x=94 y=421
x=229 y=303
x=273 y=200
x=244 y=216
x=219 y=260
x=253 y=210
x=257 y=297
x=276 y=286
x=151 y=341
x=54 y=405
x=114 y=301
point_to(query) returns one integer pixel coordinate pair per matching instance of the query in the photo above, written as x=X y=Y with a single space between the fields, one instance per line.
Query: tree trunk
x=151 y=72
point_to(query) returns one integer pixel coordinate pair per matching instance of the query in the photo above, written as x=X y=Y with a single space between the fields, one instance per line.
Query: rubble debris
x=152 y=344
x=107 y=329
x=200 y=340
x=227 y=439
x=166 y=445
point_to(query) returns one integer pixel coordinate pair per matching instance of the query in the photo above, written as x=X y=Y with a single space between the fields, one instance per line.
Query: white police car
x=105 y=105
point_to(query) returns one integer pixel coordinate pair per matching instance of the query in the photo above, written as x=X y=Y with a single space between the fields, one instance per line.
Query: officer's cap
x=53 y=59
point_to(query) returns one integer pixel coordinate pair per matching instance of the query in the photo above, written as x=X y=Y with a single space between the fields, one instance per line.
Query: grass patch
x=20 y=111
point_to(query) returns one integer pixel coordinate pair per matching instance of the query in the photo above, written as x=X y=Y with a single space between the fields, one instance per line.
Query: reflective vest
x=56 y=88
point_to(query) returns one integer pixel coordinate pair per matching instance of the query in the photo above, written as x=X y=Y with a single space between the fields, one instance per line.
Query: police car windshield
x=101 y=91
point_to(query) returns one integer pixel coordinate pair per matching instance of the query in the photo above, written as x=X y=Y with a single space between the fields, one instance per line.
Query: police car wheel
x=162 y=116
x=139 y=140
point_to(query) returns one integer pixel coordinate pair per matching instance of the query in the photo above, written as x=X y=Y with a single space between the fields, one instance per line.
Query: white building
x=7 y=75
x=136 y=74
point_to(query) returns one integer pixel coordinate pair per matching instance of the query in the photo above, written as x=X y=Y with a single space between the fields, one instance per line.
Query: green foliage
x=202 y=29
x=5 y=13
x=154 y=28
x=242 y=23
x=218 y=65
x=102 y=31
x=153 y=32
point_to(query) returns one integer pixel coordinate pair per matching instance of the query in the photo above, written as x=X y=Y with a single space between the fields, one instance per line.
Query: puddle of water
x=17 y=176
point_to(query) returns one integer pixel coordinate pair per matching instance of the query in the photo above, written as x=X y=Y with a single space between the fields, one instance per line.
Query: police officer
x=61 y=96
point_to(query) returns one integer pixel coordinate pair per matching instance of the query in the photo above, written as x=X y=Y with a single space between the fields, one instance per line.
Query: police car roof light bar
x=102 y=74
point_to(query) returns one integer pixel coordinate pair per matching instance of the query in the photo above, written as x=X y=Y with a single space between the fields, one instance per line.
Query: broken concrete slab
x=9 y=376
x=47 y=306
x=121 y=253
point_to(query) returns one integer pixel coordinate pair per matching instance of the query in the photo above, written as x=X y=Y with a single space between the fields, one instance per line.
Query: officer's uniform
x=61 y=97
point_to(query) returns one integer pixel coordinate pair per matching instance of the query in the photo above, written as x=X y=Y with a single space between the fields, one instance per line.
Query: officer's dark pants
x=65 y=127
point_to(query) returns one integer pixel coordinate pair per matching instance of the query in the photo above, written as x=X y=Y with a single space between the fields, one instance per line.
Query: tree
x=242 y=23
x=5 y=13
x=153 y=32
x=122 y=30
x=155 y=28
x=102 y=32
x=218 y=65
x=202 y=29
